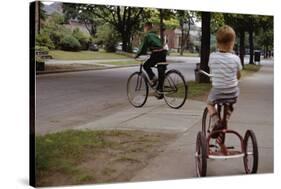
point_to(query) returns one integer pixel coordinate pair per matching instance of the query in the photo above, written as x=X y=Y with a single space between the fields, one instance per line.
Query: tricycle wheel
x=251 y=152
x=201 y=155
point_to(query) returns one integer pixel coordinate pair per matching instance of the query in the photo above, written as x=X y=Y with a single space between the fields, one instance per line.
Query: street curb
x=81 y=70
x=92 y=69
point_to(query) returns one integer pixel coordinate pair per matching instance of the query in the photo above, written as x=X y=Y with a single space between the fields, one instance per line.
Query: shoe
x=217 y=126
x=158 y=96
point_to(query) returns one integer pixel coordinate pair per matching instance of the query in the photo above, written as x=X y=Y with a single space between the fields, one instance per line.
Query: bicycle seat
x=226 y=101
x=161 y=64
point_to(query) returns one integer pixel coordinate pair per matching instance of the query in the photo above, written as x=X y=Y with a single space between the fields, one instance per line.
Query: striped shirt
x=224 y=68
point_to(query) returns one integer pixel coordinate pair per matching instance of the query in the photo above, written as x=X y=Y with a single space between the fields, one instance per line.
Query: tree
x=164 y=14
x=108 y=37
x=124 y=19
x=264 y=36
x=205 y=46
x=84 y=13
x=40 y=16
x=237 y=21
x=250 y=28
x=251 y=25
x=186 y=19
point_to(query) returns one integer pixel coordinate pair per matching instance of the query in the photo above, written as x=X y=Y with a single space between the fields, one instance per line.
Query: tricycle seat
x=226 y=101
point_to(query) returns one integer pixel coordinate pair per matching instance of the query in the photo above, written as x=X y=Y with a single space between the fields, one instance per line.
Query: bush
x=82 y=38
x=56 y=37
x=43 y=39
x=70 y=43
x=41 y=48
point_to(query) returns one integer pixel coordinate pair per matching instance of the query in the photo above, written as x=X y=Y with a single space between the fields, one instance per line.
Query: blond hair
x=225 y=38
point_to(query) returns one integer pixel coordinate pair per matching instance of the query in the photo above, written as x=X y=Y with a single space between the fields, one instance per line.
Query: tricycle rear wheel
x=251 y=152
x=201 y=155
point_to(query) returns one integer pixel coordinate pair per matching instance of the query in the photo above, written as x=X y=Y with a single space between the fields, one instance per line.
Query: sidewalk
x=254 y=110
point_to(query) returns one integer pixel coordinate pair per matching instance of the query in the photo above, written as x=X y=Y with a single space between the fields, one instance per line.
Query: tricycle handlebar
x=205 y=73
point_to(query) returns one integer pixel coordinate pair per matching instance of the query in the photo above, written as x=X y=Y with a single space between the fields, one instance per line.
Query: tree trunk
x=205 y=46
x=126 y=40
x=266 y=52
x=161 y=15
x=37 y=17
x=242 y=47
x=251 y=43
x=182 y=40
x=124 y=45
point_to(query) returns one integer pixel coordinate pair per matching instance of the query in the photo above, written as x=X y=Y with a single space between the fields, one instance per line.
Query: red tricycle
x=208 y=147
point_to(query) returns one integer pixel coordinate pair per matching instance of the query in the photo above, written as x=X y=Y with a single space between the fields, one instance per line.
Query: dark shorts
x=217 y=93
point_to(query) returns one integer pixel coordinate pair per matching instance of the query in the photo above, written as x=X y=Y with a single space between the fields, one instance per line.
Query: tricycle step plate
x=231 y=154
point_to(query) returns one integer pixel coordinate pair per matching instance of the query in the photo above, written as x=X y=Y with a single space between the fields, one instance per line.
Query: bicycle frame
x=225 y=130
x=143 y=73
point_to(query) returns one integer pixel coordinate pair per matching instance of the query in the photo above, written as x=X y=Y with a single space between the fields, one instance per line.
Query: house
x=172 y=38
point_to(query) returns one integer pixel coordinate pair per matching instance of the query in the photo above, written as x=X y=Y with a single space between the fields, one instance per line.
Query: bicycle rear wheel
x=174 y=89
x=137 y=89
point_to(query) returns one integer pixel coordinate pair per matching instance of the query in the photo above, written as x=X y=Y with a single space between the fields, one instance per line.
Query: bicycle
x=174 y=88
x=205 y=150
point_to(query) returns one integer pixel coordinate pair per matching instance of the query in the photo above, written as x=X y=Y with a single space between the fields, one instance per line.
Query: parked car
x=93 y=47
x=119 y=46
x=135 y=50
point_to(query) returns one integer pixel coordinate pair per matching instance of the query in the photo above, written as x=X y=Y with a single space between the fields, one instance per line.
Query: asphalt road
x=65 y=100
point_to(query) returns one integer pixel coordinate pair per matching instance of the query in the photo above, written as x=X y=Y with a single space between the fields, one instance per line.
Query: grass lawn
x=198 y=91
x=250 y=69
x=70 y=67
x=88 y=157
x=187 y=54
x=84 y=55
x=122 y=63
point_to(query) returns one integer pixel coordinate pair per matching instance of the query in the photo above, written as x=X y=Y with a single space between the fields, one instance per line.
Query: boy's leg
x=229 y=111
x=211 y=109
x=161 y=57
x=215 y=126
x=161 y=74
x=214 y=115
x=148 y=64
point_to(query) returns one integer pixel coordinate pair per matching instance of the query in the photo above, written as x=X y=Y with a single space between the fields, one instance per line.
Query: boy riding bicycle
x=153 y=43
x=225 y=69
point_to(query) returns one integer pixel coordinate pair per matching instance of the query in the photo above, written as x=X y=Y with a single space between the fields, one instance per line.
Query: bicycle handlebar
x=142 y=59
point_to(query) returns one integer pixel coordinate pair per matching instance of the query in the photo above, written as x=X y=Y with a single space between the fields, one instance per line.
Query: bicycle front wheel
x=137 y=89
x=174 y=89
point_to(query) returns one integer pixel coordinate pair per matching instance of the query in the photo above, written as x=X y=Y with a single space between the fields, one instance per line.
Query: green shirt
x=151 y=41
